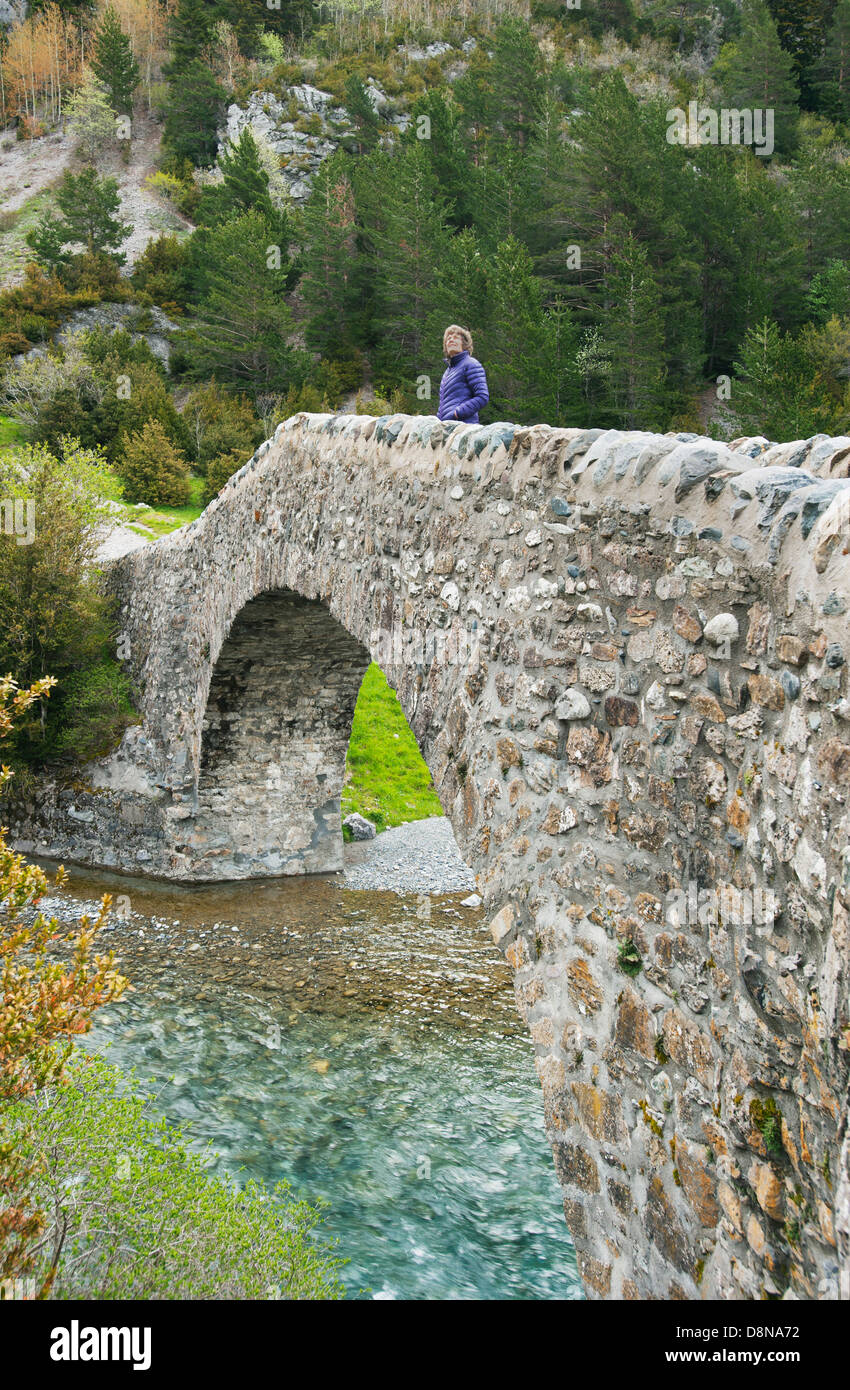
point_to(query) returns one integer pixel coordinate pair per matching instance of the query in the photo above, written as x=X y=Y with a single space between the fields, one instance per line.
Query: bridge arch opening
x=274 y=740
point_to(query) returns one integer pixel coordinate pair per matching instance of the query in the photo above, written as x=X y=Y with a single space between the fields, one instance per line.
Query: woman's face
x=453 y=344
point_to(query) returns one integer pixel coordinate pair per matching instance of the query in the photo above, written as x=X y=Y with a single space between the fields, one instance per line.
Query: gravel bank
x=421 y=857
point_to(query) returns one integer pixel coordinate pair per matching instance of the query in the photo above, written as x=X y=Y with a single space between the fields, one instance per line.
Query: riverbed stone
x=360 y=827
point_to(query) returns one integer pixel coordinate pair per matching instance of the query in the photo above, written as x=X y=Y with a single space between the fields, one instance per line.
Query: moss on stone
x=767 y=1119
x=650 y=1119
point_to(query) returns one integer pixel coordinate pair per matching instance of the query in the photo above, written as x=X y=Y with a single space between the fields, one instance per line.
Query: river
x=361 y=1045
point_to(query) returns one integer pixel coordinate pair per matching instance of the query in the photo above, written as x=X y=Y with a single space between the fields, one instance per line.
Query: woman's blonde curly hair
x=465 y=336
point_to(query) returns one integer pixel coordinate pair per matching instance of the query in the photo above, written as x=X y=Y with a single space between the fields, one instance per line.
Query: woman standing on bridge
x=463 y=389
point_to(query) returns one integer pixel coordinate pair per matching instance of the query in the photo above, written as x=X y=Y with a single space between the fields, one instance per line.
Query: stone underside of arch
x=274 y=742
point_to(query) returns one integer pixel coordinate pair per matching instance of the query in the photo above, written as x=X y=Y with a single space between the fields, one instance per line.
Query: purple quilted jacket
x=463 y=389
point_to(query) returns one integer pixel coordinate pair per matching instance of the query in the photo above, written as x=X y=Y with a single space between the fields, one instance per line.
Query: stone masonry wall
x=624 y=658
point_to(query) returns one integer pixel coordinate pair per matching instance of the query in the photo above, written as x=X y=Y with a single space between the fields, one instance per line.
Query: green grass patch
x=14 y=252
x=389 y=781
x=10 y=432
x=161 y=520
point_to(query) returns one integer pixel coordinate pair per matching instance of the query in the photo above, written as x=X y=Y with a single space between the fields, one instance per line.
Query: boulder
x=360 y=827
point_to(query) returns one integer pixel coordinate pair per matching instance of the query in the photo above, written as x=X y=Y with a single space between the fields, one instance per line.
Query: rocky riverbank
x=307 y=943
x=420 y=857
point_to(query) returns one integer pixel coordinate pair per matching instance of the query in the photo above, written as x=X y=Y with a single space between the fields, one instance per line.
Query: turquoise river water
x=364 y=1047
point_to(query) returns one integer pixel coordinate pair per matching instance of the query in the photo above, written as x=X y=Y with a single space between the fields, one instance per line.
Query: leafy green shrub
x=54 y=618
x=97 y=386
x=97 y=709
x=306 y=397
x=13 y=343
x=285 y=74
x=220 y=469
x=95 y=275
x=30 y=312
x=116 y=349
x=310 y=125
x=342 y=373
x=767 y=1118
x=152 y=469
x=143 y=1218
x=219 y=422
x=46 y=1003
x=176 y=181
x=161 y=273
x=168 y=186
x=394 y=403
x=791 y=387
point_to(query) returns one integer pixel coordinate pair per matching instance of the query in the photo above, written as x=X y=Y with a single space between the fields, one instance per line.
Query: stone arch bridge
x=624 y=658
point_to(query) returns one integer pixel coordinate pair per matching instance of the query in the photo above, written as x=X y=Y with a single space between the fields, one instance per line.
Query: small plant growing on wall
x=629 y=958
x=767 y=1119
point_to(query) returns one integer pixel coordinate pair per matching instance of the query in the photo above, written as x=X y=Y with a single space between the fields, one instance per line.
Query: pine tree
x=474 y=95
x=404 y=218
x=67 y=7
x=114 y=64
x=244 y=188
x=756 y=72
x=768 y=219
x=622 y=165
x=606 y=15
x=245 y=184
x=685 y=22
x=499 y=196
x=801 y=25
x=829 y=293
x=152 y=469
x=249 y=18
x=329 y=283
x=516 y=348
x=362 y=114
x=461 y=288
x=75 y=8
x=241 y=326
x=615 y=168
x=736 y=210
x=819 y=184
x=444 y=148
x=46 y=242
x=632 y=332
x=832 y=70
x=546 y=164
x=191 y=34
x=783 y=389
x=562 y=400
x=89 y=204
x=193 y=109
x=516 y=81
